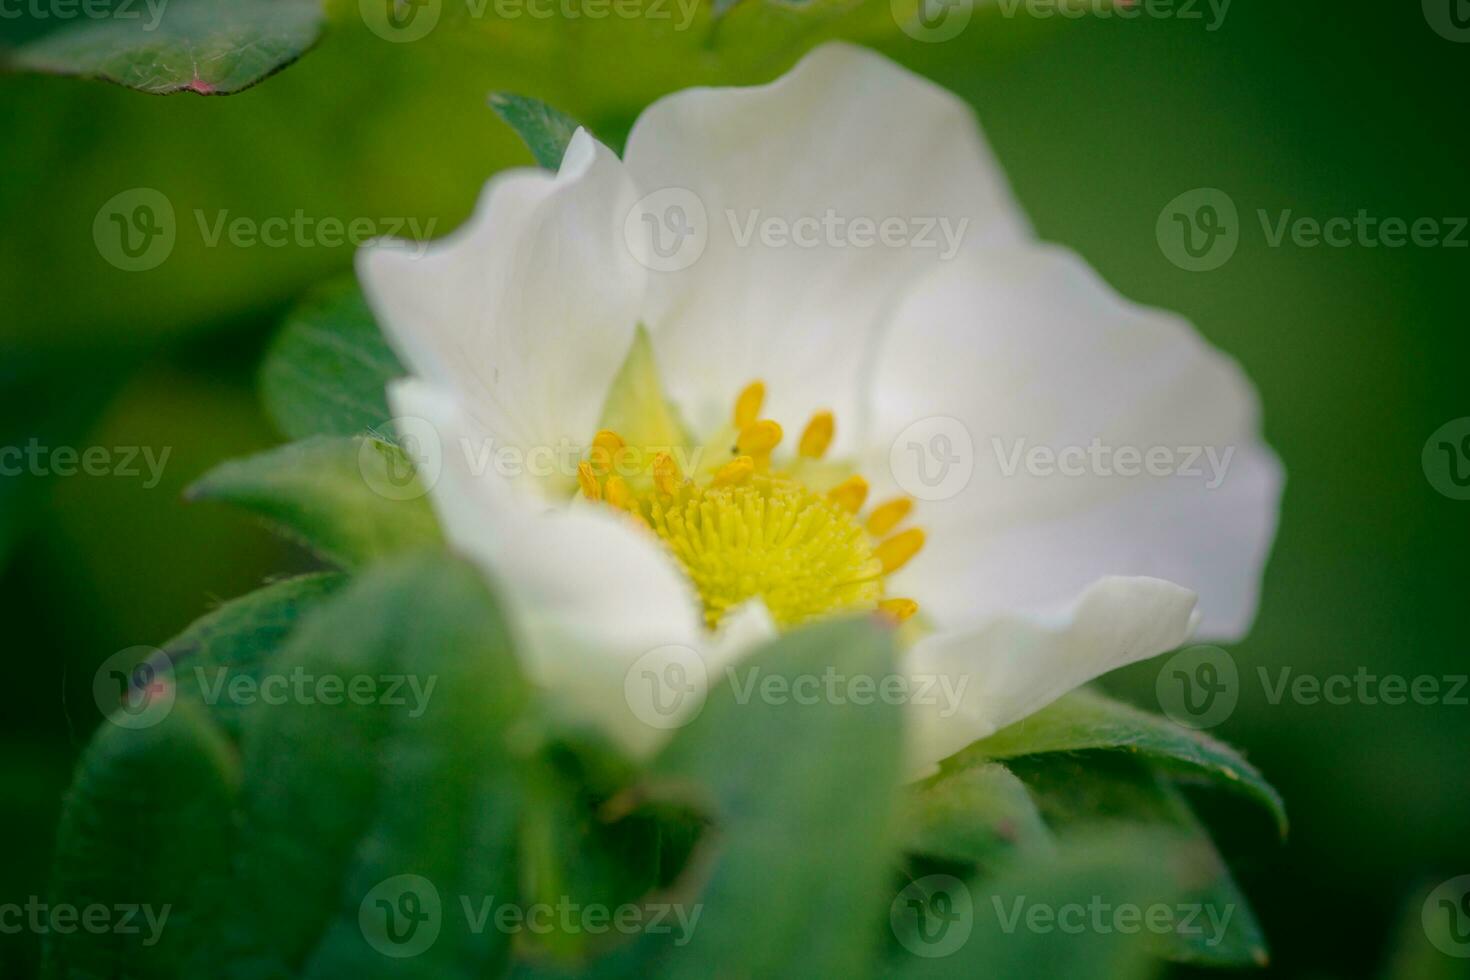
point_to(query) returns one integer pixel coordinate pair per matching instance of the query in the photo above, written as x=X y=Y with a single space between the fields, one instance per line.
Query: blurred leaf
x=212 y=47
x=351 y=500
x=240 y=638
x=545 y=130
x=345 y=797
x=146 y=823
x=984 y=928
x=328 y=369
x=1086 y=720
x=801 y=796
x=976 y=815
x=1080 y=792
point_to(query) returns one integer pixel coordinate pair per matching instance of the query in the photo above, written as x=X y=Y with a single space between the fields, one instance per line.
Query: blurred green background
x=1359 y=352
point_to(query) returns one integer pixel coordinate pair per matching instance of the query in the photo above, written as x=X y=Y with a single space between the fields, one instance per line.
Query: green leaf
x=351 y=500
x=1085 y=721
x=1036 y=918
x=415 y=777
x=146 y=824
x=212 y=47
x=328 y=369
x=545 y=130
x=801 y=795
x=240 y=639
x=1076 y=792
x=976 y=815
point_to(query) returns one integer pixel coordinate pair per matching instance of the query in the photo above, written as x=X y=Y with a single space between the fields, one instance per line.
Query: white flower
x=544 y=324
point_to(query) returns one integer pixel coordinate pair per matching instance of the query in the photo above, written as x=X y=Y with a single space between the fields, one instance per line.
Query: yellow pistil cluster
x=747 y=527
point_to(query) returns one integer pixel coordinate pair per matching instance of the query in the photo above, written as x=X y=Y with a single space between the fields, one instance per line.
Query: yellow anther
x=817 y=435
x=885 y=516
x=748 y=405
x=665 y=473
x=897 y=550
x=737 y=471
x=588 y=480
x=617 y=492
x=758 y=438
x=899 y=609
x=605 y=447
x=850 y=494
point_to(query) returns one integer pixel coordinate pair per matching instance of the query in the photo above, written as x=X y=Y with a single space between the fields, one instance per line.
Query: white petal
x=845 y=132
x=1028 y=348
x=527 y=311
x=1011 y=666
x=589 y=591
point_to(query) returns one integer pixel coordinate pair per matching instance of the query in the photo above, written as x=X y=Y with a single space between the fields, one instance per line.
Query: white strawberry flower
x=760 y=424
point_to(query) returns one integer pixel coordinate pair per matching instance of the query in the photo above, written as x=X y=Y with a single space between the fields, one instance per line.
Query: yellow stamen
x=738 y=470
x=758 y=439
x=885 y=516
x=588 y=480
x=665 y=473
x=817 y=435
x=899 y=609
x=897 y=550
x=748 y=404
x=617 y=492
x=850 y=494
x=605 y=446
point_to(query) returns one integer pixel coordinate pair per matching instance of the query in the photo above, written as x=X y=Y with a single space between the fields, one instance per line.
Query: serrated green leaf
x=146 y=824
x=545 y=130
x=351 y=500
x=1076 y=792
x=239 y=639
x=801 y=796
x=327 y=371
x=210 y=47
x=343 y=797
x=976 y=815
x=1087 y=721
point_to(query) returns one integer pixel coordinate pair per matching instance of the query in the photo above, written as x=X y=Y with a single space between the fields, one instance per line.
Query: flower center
x=746 y=523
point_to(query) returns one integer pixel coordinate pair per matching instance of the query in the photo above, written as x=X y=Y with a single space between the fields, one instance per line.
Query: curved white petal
x=589 y=591
x=527 y=311
x=845 y=134
x=1063 y=392
x=983 y=679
